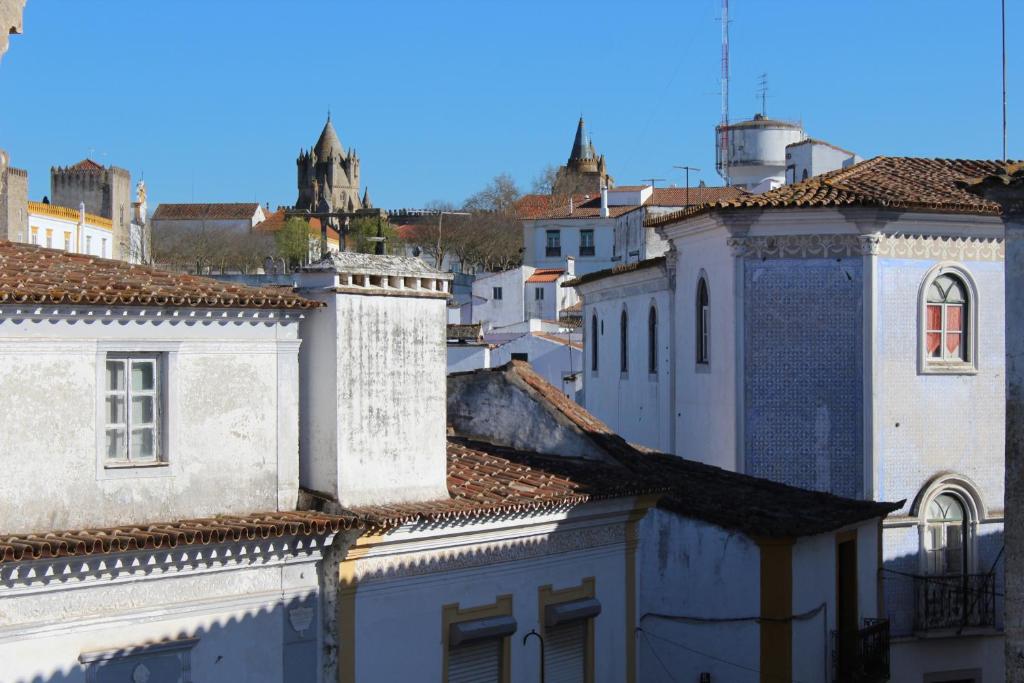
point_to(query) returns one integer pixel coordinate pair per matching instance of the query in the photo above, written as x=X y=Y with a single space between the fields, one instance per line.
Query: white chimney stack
x=372 y=380
x=604 y=201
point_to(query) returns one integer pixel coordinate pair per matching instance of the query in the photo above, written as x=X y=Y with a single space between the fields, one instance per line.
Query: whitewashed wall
x=510 y=308
x=463 y=357
x=402 y=589
x=635 y=404
x=535 y=236
x=231 y=410
x=550 y=359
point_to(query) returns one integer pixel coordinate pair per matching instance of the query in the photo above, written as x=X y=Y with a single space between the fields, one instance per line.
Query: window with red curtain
x=945 y=320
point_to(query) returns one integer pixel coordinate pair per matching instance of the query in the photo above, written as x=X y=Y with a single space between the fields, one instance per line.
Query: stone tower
x=328 y=177
x=585 y=171
x=105 y=190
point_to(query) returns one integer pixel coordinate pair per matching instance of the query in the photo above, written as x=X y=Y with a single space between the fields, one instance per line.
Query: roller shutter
x=565 y=650
x=476 y=662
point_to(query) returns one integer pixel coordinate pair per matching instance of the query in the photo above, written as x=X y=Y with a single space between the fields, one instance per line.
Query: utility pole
x=687 y=169
x=723 y=126
x=1004 y=78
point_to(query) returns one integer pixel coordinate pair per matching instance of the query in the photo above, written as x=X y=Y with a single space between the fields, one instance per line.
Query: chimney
x=372 y=380
x=604 y=201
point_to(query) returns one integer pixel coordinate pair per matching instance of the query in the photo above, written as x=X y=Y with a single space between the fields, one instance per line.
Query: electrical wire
x=710 y=656
x=657 y=656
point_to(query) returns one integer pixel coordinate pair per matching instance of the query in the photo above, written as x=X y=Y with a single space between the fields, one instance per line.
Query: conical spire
x=366 y=199
x=581 y=147
x=329 y=144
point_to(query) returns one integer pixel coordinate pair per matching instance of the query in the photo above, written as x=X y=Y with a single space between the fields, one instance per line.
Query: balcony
x=862 y=656
x=553 y=252
x=586 y=250
x=954 y=602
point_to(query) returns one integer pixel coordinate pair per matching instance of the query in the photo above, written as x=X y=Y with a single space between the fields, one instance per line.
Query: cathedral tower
x=328 y=177
x=585 y=171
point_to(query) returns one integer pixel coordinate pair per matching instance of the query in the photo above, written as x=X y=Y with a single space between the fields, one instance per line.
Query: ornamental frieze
x=927 y=247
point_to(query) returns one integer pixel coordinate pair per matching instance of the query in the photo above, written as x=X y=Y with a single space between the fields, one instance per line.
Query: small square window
x=496 y=293
x=133 y=409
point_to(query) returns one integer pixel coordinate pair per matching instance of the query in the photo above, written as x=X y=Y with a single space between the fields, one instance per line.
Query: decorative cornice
x=942 y=248
x=147 y=314
x=928 y=247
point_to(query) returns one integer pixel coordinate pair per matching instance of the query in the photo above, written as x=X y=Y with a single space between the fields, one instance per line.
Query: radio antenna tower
x=762 y=92
x=723 y=128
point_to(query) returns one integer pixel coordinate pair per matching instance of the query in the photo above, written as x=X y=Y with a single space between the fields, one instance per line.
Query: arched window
x=593 y=343
x=945 y=331
x=624 y=342
x=652 y=340
x=703 y=333
x=946 y=543
x=804 y=175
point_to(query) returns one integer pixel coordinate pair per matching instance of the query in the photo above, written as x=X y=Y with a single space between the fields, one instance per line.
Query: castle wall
x=14 y=204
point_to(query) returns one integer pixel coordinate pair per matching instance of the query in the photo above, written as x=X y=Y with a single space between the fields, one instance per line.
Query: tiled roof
x=563 y=340
x=546 y=275
x=757 y=507
x=931 y=185
x=655 y=262
x=31 y=274
x=677 y=196
x=276 y=220
x=171 y=535
x=210 y=212
x=86 y=165
x=539 y=206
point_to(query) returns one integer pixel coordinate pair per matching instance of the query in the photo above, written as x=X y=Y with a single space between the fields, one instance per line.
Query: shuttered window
x=478 y=661
x=565 y=649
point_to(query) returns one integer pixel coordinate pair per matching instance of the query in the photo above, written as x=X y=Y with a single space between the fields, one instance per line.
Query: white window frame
x=974 y=510
x=926 y=365
x=107 y=468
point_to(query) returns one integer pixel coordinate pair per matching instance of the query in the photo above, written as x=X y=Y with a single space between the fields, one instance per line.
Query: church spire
x=581 y=147
x=366 y=199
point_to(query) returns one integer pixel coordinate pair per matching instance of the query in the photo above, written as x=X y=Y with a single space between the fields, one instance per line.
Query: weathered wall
x=803 y=372
x=384 y=438
x=401 y=591
x=13 y=203
x=689 y=568
x=253 y=619
x=551 y=360
x=10 y=21
x=463 y=357
x=232 y=392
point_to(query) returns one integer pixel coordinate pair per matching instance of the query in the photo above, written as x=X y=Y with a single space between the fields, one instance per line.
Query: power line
x=711 y=656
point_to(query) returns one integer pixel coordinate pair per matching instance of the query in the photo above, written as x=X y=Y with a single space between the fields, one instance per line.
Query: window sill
x=118 y=465
x=937 y=368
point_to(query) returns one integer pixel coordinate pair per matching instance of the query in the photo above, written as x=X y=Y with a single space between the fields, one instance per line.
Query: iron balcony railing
x=586 y=250
x=957 y=601
x=553 y=252
x=862 y=656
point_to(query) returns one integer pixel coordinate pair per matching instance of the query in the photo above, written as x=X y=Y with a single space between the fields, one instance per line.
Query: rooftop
x=656 y=262
x=276 y=219
x=31 y=274
x=541 y=206
x=373 y=264
x=907 y=183
x=546 y=275
x=210 y=212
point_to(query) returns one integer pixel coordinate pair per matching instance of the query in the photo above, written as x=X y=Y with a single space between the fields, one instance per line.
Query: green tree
x=363 y=235
x=293 y=241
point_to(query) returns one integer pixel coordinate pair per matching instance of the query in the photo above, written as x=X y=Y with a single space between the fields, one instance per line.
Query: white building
x=843 y=334
x=599 y=233
x=240 y=217
x=74 y=231
x=765 y=153
x=132 y=550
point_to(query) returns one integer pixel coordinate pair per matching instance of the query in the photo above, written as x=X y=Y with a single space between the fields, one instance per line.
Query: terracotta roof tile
x=655 y=262
x=546 y=275
x=31 y=274
x=188 y=532
x=916 y=184
x=276 y=220
x=211 y=212
x=86 y=165
x=754 y=506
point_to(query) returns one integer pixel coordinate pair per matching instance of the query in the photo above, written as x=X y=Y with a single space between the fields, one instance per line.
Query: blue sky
x=211 y=101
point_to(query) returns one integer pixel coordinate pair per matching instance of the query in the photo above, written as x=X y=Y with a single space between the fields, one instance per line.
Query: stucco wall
x=463 y=357
x=635 y=404
x=399 y=598
x=689 y=568
x=507 y=310
x=243 y=615
x=231 y=421
x=803 y=372
x=535 y=235
x=551 y=360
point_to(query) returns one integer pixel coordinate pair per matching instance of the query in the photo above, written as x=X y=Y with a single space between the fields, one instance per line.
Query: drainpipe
x=604 y=201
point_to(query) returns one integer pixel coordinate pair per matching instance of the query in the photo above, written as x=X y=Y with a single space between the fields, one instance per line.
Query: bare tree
x=544 y=183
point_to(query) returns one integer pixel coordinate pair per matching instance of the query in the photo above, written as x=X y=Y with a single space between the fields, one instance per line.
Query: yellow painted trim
x=546 y=595
x=640 y=508
x=776 y=603
x=454 y=614
x=65 y=213
x=346 y=607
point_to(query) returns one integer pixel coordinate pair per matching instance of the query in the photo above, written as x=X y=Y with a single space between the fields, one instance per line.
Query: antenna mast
x=762 y=92
x=723 y=127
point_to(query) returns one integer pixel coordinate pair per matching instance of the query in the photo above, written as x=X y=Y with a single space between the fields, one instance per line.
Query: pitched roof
x=564 y=340
x=210 y=212
x=86 y=165
x=31 y=274
x=219 y=529
x=467 y=332
x=915 y=184
x=539 y=206
x=757 y=507
x=546 y=275
x=655 y=262
x=276 y=220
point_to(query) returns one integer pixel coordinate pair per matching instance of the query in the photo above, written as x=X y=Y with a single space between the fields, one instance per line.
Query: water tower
x=756 y=151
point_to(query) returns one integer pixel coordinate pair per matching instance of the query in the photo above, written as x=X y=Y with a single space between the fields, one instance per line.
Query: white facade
x=72 y=230
x=810 y=157
x=757 y=152
x=570 y=230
